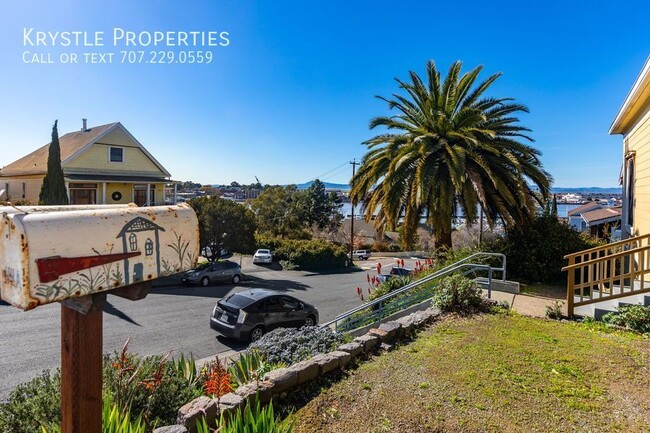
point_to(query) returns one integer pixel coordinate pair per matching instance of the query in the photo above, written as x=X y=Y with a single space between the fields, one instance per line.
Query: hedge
x=311 y=255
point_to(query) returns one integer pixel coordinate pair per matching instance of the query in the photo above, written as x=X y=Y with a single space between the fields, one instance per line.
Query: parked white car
x=263 y=256
x=360 y=254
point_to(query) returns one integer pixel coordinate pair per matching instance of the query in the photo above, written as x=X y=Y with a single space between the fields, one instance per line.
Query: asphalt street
x=172 y=317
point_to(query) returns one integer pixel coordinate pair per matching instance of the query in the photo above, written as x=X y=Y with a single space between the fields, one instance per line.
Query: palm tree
x=449 y=147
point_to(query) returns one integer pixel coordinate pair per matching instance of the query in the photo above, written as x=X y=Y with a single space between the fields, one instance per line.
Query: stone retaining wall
x=284 y=379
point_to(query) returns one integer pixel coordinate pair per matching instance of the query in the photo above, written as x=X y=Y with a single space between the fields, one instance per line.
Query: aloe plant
x=113 y=421
x=251 y=365
x=256 y=419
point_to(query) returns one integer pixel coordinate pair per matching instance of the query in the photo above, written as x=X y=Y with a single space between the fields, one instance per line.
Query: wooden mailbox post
x=76 y=255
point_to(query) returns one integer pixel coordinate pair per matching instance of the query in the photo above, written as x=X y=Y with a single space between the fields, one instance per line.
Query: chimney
x=85 y=126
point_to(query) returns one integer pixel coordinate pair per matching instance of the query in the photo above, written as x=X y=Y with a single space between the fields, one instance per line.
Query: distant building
x=575 y=215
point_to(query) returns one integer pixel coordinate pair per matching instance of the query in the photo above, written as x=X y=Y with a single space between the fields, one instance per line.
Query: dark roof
x=70 y=143
x=584 y=208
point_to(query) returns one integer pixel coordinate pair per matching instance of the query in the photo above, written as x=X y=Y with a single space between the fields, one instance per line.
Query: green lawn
x=494 y=373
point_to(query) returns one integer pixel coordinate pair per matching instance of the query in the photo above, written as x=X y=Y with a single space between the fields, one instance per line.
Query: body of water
x=346 y=210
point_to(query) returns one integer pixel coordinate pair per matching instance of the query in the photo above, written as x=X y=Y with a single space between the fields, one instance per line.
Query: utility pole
x=480 y=226
x=354 y=166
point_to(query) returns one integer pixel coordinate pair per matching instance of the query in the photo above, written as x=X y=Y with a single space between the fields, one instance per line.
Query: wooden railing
x=612 y=271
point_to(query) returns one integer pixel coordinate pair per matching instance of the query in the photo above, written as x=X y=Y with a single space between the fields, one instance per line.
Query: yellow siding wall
x=638 y=140
x=127 y=193
x=96 y=159
x=15 y=191
x=124 y=188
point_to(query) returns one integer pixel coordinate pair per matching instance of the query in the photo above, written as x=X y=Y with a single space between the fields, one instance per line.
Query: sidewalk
x=527 y=305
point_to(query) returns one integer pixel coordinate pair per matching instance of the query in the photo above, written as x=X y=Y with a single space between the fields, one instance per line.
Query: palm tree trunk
x=443 y=239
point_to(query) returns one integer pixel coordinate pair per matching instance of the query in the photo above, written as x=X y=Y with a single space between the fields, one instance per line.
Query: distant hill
x=588 y=190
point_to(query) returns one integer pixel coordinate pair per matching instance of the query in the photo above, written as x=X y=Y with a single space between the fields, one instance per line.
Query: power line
x=329 y=171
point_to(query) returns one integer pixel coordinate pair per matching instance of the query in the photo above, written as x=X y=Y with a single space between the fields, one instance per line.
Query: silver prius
x=207 y=273
x=249 y=314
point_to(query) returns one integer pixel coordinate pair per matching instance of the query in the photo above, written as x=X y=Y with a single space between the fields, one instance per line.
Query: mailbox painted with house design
x=52 y=253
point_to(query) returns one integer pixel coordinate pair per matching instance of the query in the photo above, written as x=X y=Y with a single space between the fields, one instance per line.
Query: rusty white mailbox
x=53 y=253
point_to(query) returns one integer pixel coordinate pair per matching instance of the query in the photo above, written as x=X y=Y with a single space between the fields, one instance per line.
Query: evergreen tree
x=554 y=209
x=53 y=190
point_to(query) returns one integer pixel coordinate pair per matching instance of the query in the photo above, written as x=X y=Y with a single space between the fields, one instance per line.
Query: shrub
x=151 y=386
x=635 y=317
x=253 y=419
x=306 y=254
x=388 y=286
x=289 y=345
x=114 y=420
x=32 y=404
x=457 y=293
x=288 y=266
x=536 y=253
x=554 y=311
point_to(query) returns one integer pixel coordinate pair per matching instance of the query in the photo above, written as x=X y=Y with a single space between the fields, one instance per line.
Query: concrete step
x=498 y=285
x=599 y=309
x=610 y=305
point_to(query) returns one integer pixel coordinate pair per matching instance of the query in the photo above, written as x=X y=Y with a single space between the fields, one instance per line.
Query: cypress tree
x=554 y=208
x=53 y=190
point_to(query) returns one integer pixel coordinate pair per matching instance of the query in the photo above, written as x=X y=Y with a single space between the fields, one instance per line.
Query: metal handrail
x=438 y=274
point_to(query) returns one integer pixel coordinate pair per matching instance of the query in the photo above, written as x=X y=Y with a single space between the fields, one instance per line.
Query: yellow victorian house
x=599 y=279
x=102 y=165
x=633 y=122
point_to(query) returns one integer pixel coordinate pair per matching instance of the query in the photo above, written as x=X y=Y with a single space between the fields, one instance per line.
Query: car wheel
x=310 y=321
x=236 y=279
x=257 y=333
x=205 y=281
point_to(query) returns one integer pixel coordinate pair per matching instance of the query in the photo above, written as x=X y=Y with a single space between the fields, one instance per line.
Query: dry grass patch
x=494 y=373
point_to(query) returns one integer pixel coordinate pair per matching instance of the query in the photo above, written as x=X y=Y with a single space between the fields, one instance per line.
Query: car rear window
x=239 y=301
x=263 y=251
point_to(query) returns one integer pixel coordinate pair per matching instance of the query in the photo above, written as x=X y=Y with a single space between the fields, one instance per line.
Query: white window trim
x=627 y=206
x=123 y=155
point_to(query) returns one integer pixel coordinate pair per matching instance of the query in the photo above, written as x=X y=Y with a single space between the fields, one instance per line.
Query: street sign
x=53 y=253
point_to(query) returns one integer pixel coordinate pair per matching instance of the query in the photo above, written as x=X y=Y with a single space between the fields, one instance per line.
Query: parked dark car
x=212 y=272
x=249 y=314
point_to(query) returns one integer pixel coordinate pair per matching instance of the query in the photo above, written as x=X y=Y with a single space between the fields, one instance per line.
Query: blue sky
x=289 y=99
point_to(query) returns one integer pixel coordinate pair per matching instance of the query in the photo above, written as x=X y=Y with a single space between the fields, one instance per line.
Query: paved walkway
x=524 y=304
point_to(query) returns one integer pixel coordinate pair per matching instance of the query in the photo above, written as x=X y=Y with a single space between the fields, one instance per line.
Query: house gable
x=95 y=156
x=35 y=163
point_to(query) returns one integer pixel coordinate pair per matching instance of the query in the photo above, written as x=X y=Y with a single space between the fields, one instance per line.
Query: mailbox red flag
x=51 y=268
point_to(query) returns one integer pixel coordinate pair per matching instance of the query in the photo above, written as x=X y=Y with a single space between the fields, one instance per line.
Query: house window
x=83 y=193
x=140 y=195
x=24 y=189
x=629 y=190
x=148 y=247
x=116 y=154
x=133 y=242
